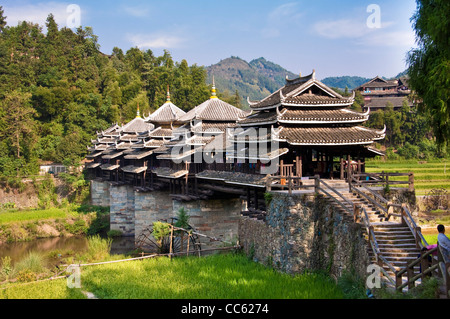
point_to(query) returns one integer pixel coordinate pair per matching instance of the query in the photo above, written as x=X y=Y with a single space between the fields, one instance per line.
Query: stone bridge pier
x=131 y=211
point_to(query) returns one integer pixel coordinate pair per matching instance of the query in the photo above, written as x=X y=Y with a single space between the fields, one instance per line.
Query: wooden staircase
x=395 y=240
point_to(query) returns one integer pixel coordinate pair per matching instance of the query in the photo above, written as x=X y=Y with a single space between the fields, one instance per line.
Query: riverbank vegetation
x=230 y=276
x=70 y=220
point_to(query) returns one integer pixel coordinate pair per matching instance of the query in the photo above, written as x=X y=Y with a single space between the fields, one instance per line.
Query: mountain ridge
x=259 y=78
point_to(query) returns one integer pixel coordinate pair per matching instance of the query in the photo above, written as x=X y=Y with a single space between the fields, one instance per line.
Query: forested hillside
x=241 y=79
x=57 y=89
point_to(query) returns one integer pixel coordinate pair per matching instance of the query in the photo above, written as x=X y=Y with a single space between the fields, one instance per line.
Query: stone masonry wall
x=150 y=207
x=304 y=233
x=132 y=211
x=122 y=209
x=214 y=218
x=99 y=193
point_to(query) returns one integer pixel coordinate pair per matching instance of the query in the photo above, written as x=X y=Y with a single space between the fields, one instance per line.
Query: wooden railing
x=408 y=220
x=361 y=214
x=379 y=201
x=437 y=267
x=291 y=183
x=384 y=179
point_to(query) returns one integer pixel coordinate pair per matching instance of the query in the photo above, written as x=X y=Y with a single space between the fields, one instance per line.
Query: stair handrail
x=417 y=231
x=409 y=270
x=364 y=216
x=320 y=181
x=381 y=200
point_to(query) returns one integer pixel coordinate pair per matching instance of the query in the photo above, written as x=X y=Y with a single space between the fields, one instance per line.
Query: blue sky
x=335 y=38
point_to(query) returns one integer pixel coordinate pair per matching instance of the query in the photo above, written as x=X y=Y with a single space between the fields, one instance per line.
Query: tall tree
x=429 y=65
x=18 y=121
x=2 y=20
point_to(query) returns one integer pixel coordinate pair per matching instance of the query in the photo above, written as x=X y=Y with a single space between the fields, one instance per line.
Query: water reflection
x=17 y=251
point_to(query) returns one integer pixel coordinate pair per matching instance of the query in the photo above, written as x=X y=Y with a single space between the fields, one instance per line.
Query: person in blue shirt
x=444 y=243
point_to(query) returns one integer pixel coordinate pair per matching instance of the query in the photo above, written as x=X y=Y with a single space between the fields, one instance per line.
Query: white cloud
x=359 y=32
x=390 y=38
x=37 y=13
x=156 y=41
x=137 y=11
x=280 y=18
x=344 y=28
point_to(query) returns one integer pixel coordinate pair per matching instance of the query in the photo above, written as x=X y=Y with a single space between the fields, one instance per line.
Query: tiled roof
x=138 y=154
x=112 y=155
x=322 y=116
x=314 y=99
x=297 y=91
x=93 y=165
x=212 y=127
x=137 y=125
x=262 y=117
x=161 y=132
x=329 y=135
x=234 y=177
x=153 y=143
x=379 y=102
x=169 y=173
x=134 y=169
x=166 y=113
x=109 y=167
x=219 y=143
x=214 y=109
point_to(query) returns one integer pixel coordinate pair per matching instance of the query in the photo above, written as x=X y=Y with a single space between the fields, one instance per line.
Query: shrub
x=26 y=276
x=33 y=262
x=7 y=269
x=98 y=248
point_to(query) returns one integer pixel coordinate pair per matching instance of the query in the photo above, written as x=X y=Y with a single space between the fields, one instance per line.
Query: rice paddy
x=224 y=276
x=427 y=175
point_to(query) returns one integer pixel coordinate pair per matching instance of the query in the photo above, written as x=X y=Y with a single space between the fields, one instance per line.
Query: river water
x=17 y=251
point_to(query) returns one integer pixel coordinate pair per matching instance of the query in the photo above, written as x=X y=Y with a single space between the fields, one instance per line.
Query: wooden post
x=290 y=185
x=349 y=169
x=171 y=242
x=410 y=275
x=316 y=184
x=411 y=182
x=189 y=239
x=424 y=263
x=342 y=167
x=269 y=183
x=417 y=237
x=403 y=214
x=356 y=212
x=300 y=167
x=398 y=280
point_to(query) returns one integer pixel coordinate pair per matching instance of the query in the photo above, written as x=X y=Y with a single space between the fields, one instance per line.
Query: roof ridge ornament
x=138 y=115
x=213 y=90
x=168 y=94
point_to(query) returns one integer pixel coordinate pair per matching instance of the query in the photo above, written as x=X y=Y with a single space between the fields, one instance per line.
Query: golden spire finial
x=168 y=94
x=213 y=90
x=138 y=115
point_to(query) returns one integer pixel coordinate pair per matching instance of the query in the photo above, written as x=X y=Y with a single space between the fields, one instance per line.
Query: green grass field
x=15 y=215
x=226 y=276
x=427 y=175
